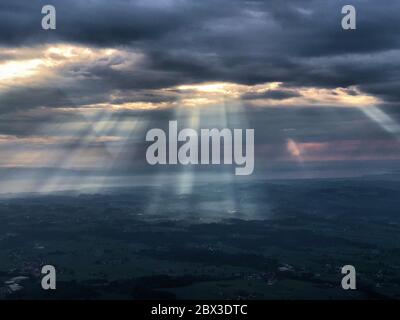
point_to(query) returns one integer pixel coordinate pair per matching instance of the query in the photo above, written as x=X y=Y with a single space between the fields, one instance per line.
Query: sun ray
x=386 y=122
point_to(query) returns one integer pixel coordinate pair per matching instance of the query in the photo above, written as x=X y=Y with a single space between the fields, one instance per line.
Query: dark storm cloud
x=31 y=97
x=52 y=96
x=300 y=43
x=245 y=42
x=272 y=94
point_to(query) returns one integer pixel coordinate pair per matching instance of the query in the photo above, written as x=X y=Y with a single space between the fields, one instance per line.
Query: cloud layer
x=113 y=63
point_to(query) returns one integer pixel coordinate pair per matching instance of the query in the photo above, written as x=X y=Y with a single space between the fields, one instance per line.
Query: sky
x=323 y=101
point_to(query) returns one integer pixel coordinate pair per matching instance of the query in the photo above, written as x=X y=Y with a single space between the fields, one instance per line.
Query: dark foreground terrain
x=259 y=240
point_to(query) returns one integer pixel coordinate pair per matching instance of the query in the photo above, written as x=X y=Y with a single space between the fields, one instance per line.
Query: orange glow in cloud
x=293 y=148
x=344 y=150
x=48 y=64
x=19 y=69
